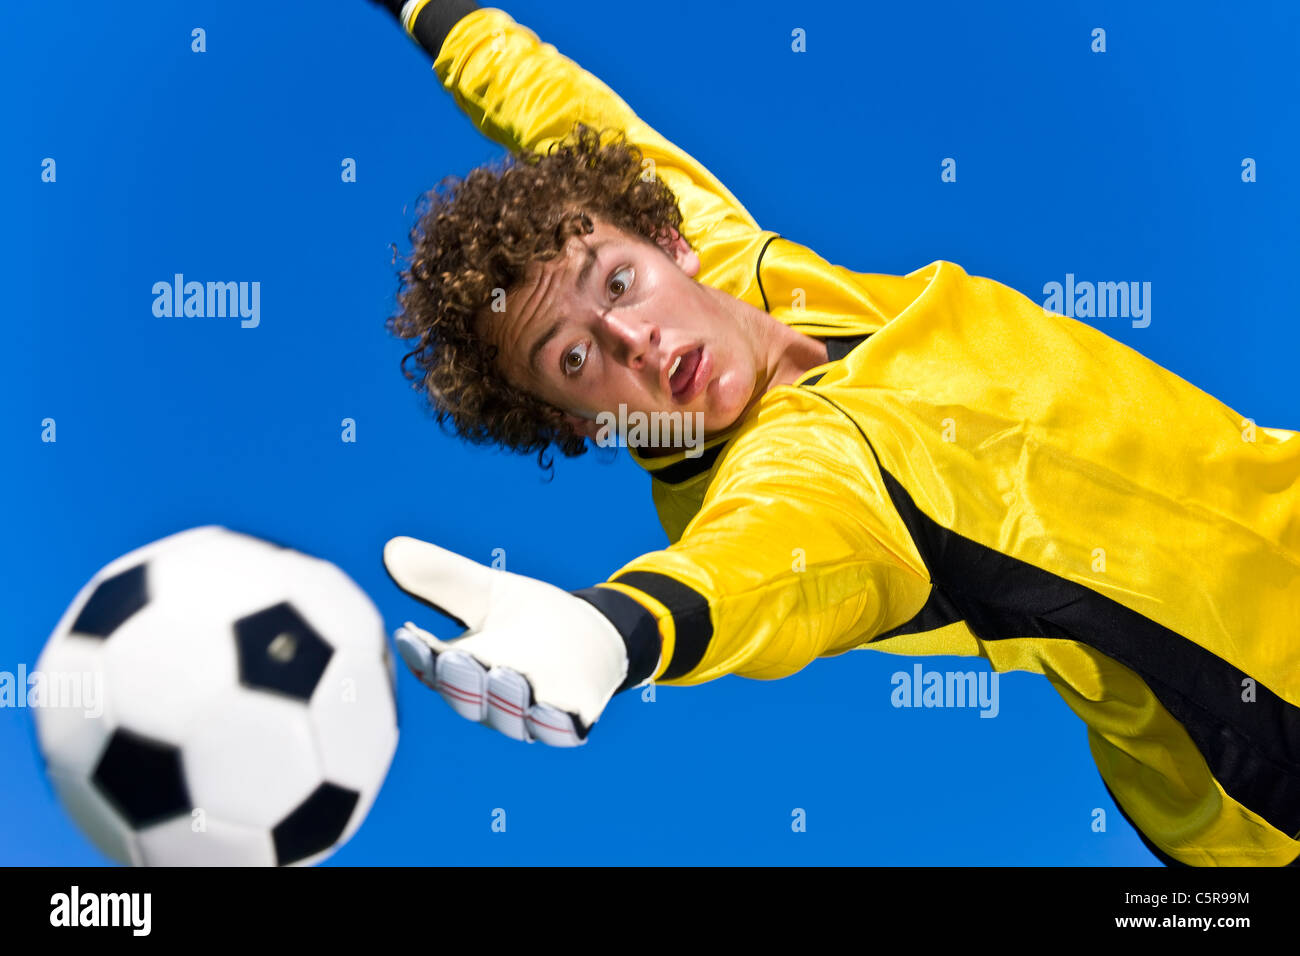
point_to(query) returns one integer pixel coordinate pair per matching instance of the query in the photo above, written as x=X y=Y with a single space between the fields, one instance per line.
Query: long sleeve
x=795 y=554
x=428 y=22
x=524 y=94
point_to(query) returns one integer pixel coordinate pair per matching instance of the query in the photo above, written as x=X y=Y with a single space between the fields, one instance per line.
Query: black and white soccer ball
x=245 y=710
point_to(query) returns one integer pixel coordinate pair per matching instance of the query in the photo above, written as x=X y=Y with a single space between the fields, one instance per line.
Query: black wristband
x=436 y=20
x=637 y=627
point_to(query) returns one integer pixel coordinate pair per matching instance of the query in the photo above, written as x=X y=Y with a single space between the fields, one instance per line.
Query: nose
x=632 y=341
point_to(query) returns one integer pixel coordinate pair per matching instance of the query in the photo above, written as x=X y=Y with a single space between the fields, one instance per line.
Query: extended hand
x=535 y=662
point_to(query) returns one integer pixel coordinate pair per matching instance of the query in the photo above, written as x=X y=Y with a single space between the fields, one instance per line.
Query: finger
x=498 y=697
x=555 y=727
x=508 y=698
x=457 y=676
x=511 y=709
x=462 y=682
x=417 y=654
x=448 y=582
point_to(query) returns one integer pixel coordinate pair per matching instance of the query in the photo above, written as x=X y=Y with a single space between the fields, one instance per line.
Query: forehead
x=541 y=298
x=554 y=279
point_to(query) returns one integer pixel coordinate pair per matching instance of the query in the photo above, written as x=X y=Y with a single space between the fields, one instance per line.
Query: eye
x=620 y=286
x=575 y=359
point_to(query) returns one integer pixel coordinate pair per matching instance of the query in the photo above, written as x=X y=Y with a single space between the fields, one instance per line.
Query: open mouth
x=681 y=378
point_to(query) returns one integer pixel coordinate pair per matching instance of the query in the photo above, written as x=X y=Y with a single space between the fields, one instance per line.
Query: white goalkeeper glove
x=535 y=663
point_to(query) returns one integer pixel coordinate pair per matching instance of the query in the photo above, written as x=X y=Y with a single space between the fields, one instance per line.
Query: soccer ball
x=238 y=704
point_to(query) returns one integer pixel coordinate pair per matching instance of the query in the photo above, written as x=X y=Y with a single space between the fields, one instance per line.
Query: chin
x=718 y=419
x=726 y=406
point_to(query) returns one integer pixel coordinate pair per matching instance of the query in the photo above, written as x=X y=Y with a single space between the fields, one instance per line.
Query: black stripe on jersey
x=837 y=347
x=688 y=468
x=691 y=621
x=636 y=625
x=758 y=272
x=1158 y=853
x=1253 y=749
x=436 y=21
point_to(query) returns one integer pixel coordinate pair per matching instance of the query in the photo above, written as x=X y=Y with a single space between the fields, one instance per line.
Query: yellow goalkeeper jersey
x=970 y=475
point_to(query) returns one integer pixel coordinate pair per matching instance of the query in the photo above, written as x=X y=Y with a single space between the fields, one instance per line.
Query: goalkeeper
x=919 y=464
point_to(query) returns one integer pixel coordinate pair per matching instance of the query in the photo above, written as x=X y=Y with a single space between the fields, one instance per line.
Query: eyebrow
x=584 y=274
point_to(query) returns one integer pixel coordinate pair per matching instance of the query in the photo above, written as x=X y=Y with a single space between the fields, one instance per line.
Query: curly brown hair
x=479 y=234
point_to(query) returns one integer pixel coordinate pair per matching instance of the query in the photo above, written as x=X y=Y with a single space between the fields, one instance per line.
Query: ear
x=680 y=251
x=583 y=426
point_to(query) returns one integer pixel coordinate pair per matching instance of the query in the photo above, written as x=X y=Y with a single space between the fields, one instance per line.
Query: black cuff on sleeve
x=436 y=20
x=692 y=621
x=636 y=625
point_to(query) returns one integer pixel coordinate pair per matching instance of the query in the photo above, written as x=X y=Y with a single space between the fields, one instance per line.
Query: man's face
x=615 y=319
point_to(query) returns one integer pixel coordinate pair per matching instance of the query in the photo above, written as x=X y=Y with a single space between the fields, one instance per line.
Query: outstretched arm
x=524 y=94
x=794 y=555
x=428 y=22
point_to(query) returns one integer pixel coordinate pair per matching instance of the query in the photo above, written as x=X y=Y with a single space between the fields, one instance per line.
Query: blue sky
x=1122 y=165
